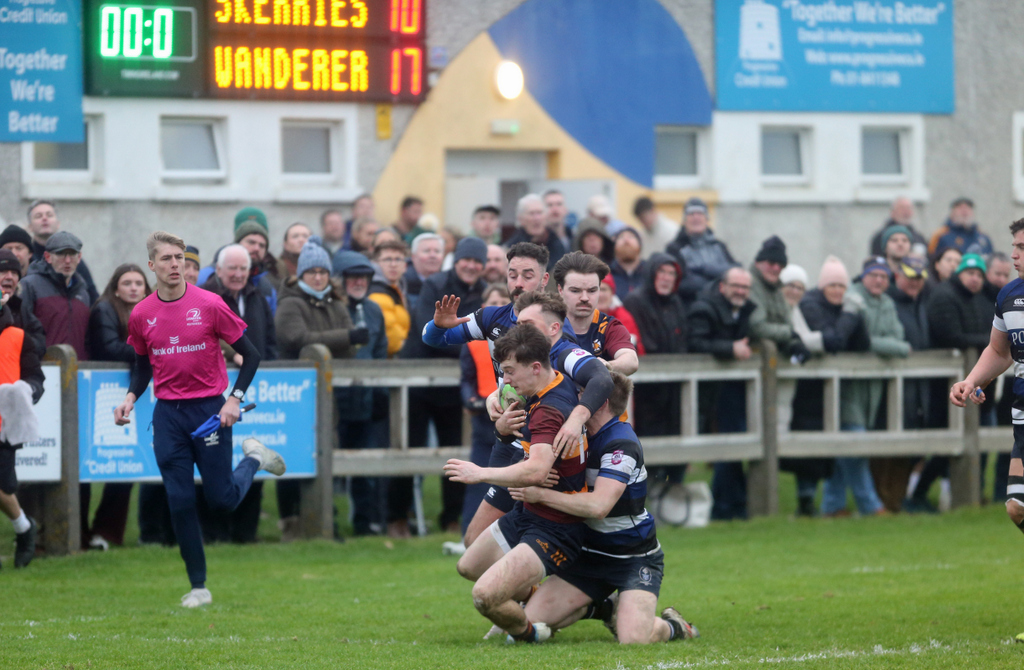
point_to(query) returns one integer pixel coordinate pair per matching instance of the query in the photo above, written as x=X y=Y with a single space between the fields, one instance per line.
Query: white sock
x=915 y=477
x=255 y=455
x=21 y=524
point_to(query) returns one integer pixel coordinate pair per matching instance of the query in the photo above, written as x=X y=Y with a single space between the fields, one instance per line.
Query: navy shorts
x=556 y=544
x=1018 y=441
x=502 y=455
x=599 y=576
x=8 y=475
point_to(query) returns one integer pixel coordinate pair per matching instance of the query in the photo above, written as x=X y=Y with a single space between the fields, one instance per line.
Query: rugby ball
x=509 y=395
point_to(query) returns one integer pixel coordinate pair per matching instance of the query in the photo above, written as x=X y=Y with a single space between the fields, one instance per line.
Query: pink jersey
x=182 y=340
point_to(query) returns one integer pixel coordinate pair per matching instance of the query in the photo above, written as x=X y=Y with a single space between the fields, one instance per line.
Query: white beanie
x=793 y=273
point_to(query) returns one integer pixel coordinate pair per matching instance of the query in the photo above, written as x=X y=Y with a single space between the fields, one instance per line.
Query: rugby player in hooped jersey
x=533 y=540
x=1005 y=347
x=176 y=334
x=621 y=552
x=526 y=276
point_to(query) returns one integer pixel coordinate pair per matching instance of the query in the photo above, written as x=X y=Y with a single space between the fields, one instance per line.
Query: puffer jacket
x=861 y=398
x=302 y=319
x=62 y=310
x=105 y=339
x=704 y=257
x=391 y=301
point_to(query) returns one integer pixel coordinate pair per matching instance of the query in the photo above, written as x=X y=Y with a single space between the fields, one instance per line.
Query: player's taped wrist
x=504 y=439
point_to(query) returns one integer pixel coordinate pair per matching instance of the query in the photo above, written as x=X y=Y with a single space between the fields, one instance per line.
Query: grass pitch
x=901 y=592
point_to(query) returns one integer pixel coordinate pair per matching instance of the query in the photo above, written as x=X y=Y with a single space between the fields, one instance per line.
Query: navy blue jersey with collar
x=605 y=337
x=1009 y=318
x=628 y=530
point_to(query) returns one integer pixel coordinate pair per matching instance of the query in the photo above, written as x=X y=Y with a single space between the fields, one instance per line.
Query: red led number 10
x=406 y=16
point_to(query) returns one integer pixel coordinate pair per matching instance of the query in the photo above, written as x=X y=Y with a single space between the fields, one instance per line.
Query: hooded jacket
x=355 y=403
x=62 y=310
x=660 y=319
x=772 y=320
x=705 y=258
x=391 y=300
x=958 y=318
x=303 y=319
x=589 y=225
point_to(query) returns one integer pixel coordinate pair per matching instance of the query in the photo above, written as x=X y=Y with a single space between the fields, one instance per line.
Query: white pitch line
x=878 y=650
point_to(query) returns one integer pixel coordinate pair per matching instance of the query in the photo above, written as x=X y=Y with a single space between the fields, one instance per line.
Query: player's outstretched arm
x=994 y=360
x=531 y=472
x=594 y=504
x=597 y=385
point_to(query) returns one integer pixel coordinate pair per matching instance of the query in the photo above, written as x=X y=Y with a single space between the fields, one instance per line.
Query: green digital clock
x=152 y=49
x=147 y=32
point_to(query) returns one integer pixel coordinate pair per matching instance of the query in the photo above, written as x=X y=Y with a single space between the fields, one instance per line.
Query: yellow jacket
x=396 y=316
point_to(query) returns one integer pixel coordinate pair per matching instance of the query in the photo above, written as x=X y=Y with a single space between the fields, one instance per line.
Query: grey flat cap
x=63 y=241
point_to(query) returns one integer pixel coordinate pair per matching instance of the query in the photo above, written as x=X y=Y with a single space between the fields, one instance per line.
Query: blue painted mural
x=605 y=80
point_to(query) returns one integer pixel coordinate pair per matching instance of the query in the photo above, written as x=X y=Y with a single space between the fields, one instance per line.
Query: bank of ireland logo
x=105 y=432
x=192 y=317
x=174 y=339
x=760 y=37
x=645 y=575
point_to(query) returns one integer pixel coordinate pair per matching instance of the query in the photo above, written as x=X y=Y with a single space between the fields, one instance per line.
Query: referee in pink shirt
x=176 y=334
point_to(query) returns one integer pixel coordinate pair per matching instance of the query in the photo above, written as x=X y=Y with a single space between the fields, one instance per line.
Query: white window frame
x=906 y=145
x=1018 y=156
x=94 y=157
x=703 y=148
x=335 y=129
x=805 y=136
x=218 y=124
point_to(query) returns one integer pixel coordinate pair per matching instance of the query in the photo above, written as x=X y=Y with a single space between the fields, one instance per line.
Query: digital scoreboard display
x=311 y=50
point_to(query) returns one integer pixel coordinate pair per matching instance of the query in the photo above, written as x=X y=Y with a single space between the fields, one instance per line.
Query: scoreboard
x=304 y=50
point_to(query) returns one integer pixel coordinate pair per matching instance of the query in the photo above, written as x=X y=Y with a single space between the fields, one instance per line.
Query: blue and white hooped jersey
x=628 y=529
x=1009 y=318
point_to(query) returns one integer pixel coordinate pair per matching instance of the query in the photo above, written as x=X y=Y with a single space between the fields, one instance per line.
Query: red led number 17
x=406 y=19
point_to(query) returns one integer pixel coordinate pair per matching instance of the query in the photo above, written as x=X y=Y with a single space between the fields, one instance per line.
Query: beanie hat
x=313 y=255
x=608 y=279
x=251 y=214
x=875 y=263
x=192 y=254
x=630 y=230
x=695 y=205
x=8 y=261
x=833 y=272
x=772 y=250
x=893 y=230
x=13 y=233
x=792 y=273
x=250 y=228
x=971 y=261
x=471 y=247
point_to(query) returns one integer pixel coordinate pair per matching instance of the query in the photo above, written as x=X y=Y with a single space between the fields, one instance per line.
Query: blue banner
x=41 y=70
x=835 y=55
x=284 y=420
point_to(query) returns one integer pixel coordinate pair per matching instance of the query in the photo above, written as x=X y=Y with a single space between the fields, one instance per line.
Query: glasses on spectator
x=391 y=261
x=745 y=287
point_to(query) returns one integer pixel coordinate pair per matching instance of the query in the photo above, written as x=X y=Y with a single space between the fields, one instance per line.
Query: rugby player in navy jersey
x=525 y=275
x=1005 y=347
x=621 y=553
x=533 y=540
x=578 y=277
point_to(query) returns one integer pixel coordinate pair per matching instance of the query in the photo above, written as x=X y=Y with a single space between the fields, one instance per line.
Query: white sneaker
x=269 y=459
x=196 y=598
x=98 y=542
x=453 y=549
x=495 y=630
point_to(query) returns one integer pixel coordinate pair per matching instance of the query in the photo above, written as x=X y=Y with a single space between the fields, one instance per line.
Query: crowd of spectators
x=366 y=290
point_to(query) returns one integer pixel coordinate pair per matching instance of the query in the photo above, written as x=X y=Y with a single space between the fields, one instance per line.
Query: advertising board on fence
x=284 y=420
x=39 y=461
x=835 y=55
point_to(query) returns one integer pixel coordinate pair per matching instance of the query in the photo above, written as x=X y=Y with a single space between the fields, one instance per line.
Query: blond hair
x=160 y=237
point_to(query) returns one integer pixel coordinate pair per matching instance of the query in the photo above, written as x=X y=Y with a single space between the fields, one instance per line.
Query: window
x=780 y=153
x=884 y=154
x=305 y=149
x=678 y=157
x=191 y=148
x=59 y=156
